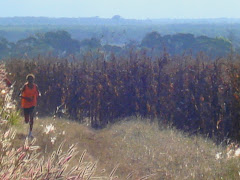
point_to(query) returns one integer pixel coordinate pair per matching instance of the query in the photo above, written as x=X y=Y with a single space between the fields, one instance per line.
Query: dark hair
x=30 y=75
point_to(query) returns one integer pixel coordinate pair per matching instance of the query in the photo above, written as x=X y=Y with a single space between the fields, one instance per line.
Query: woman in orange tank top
x=29 y=94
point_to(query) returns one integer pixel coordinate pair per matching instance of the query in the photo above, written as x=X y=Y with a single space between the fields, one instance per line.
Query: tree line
x=61 y=44
x=180 y=43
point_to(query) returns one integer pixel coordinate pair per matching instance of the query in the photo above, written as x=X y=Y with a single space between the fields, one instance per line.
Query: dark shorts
x=28 y=111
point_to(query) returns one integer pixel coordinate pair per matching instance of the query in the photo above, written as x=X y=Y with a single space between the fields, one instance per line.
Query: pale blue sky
x=137 y=9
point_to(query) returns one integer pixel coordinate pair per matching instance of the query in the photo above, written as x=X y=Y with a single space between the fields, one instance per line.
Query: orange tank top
x=30 y=93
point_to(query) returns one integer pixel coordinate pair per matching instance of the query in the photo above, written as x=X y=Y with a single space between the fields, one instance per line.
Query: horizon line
x=161 y=18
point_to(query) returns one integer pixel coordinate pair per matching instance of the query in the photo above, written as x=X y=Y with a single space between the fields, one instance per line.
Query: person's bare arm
x=39 y=93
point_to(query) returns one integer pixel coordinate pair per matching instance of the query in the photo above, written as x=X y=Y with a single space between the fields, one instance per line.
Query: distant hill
x=6 y=21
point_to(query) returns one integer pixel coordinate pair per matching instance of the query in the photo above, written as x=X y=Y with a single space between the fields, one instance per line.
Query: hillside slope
x=137 y=148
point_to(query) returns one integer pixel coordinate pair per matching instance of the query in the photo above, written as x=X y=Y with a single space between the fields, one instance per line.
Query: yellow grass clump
x=136 y=148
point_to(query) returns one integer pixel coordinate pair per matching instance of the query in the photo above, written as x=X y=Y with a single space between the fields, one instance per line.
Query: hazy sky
x=137 y=9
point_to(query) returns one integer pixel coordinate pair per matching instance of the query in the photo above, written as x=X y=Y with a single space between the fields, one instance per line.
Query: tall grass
x=194 y=94
x=8 y=111
x=27 y=162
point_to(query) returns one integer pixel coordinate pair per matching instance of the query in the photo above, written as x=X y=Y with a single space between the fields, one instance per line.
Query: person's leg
x=31 y=121
x=26 y=115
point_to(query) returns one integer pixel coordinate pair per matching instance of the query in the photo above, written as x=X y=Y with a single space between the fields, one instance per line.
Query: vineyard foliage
x=193 y=94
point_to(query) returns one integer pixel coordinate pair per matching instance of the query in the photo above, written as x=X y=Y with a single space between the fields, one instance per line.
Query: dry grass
x=137 y=148
x=27 y=162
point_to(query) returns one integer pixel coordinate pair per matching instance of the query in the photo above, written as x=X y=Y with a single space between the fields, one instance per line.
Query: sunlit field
x=136 y=148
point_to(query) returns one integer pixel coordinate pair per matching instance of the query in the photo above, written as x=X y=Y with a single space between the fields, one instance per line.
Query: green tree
x=213 y=46
x=152 y=40
x=5 y=48
x=61 y=41
x=91 y=43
